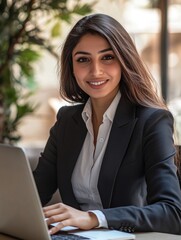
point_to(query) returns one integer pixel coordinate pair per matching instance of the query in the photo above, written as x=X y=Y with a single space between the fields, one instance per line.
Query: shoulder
x=150 y=112
x=154 y=119
x=66 y=116
x=67 y=111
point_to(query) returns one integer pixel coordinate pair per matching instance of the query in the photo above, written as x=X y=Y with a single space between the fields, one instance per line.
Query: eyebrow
x=87 y=53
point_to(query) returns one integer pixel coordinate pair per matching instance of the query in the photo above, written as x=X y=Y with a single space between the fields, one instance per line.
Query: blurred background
x=29 y=83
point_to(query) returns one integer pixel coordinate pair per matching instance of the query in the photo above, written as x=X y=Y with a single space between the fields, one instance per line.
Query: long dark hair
x=136 y=81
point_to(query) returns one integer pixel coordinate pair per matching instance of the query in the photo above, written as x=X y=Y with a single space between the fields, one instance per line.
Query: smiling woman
x=96 y=68
x=98 y=73
x=120 y=132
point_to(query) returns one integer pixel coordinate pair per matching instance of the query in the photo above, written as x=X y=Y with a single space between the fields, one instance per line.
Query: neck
x=99 y=107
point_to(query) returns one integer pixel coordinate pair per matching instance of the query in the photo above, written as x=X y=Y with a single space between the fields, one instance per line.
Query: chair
x=178 y=148
x=33 y=154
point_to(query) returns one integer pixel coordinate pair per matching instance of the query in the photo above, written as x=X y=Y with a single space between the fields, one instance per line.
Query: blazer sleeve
x=45 y=174
x=162 y=213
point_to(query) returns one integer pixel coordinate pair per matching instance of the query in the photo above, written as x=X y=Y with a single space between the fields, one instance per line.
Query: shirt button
x=101 y=140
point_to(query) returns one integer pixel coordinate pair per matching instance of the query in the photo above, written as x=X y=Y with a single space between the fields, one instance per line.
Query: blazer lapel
x=73 y=141
x=120 y=135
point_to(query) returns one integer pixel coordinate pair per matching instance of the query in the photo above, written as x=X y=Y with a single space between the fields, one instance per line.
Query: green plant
x=21 y=39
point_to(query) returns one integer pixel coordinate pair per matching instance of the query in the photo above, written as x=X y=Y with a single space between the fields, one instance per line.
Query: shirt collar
x=110 y=112
x=87 y=111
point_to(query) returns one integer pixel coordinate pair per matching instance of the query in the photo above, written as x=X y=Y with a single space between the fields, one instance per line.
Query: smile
x=97 y=83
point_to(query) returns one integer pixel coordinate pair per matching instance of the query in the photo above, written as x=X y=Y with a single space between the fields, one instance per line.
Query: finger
x=56 y=228
x=54 y=206
x=53 y=212
x=56 y=218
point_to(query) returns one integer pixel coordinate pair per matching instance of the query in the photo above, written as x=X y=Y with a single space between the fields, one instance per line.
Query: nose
x=96 y=69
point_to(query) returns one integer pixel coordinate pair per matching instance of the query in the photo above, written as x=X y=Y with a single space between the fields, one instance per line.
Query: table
x=139 y=236
x=156 y=236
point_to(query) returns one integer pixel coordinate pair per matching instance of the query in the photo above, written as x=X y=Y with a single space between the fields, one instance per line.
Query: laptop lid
x=19 y=201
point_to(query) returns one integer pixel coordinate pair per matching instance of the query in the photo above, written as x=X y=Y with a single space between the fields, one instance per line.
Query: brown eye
x=108 y=57
x=82 y=60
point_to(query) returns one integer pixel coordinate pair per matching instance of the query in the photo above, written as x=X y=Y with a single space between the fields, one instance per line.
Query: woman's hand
x=68 y=216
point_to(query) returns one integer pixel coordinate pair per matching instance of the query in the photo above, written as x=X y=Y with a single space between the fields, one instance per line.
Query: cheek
x=119 y=75
x=116 y=73
x=79 y=73
x=75 y=71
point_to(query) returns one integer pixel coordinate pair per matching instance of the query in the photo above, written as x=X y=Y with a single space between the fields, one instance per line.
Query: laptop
x=20 y=208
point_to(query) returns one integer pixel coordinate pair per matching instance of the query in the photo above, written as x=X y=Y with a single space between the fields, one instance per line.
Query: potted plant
x=21 y=38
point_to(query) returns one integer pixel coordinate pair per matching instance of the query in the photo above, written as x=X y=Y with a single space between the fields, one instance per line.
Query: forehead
x=91 y=42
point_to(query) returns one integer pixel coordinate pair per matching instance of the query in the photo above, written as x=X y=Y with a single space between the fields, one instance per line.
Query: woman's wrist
x=94 y=219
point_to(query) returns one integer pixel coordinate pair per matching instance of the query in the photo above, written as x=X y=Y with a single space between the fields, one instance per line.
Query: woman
x=112 y=156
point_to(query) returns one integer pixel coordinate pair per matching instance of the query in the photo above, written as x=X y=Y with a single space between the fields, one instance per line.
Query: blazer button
x=129 y=229
x=125 y=229
x=121 y=228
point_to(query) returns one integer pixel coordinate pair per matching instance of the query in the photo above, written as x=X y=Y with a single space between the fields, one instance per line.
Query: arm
x=45 y=174
x=163 y=210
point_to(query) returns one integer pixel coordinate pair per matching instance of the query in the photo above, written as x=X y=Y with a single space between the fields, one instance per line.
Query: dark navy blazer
x=138 y=184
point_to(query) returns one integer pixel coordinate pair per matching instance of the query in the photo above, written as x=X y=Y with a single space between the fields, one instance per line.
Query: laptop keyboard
x=67 y=237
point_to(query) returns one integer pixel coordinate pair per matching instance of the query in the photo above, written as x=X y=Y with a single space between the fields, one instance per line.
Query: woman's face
x=96 y=67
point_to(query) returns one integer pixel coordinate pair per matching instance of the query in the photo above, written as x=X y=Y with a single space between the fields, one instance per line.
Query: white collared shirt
x=86 y=172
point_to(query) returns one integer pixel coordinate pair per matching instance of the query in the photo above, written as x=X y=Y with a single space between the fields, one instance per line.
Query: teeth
x=97 y=83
